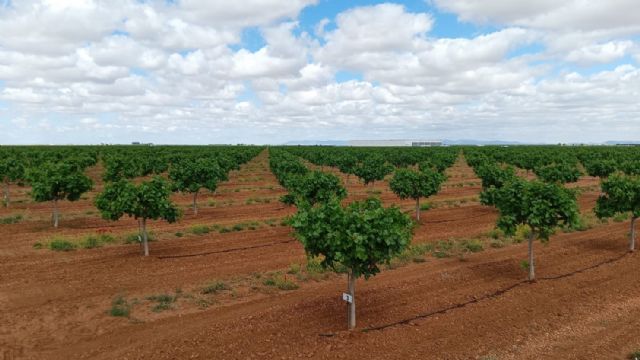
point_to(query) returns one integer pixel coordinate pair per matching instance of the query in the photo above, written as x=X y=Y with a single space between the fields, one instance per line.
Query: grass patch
x=163 y=301
x=620 y=217
x=96 y=241
x=215 y=287
x=425 y=206
x=634 y=355
x=200 y=229
x=13 y=219
x=473 y=245
x=280 y=281
x=120 y=307
x=61 y=244
x=179 y=234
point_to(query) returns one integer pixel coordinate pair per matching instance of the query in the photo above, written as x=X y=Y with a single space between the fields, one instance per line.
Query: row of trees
x=543 y=205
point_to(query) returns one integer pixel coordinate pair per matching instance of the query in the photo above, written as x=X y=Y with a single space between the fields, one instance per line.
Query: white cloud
x=175 y=71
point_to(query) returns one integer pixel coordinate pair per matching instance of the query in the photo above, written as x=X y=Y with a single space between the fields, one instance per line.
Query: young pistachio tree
x=10 y=170
x=58 y=181
x=407 y=183
x=148 y=200
x=373 y=168
x=621 y=194
x=192 y=175
x=563 y=172
x=359 y=237
x=541 y=206
x=347 y=164
x=312 y=188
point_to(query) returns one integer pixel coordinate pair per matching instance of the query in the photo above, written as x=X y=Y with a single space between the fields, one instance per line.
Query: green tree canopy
x=148 y=200
x=11 y=170
x=541 y=206
x=58 y=181
x=373 y=168
x=407 y=183
x=360 y=237
x=621 y=194
x=192 y=175
x=313 y=187
x=563 y=172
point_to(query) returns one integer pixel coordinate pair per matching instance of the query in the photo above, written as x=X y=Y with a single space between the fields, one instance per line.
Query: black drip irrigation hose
x=225 y=251
x=485 y=297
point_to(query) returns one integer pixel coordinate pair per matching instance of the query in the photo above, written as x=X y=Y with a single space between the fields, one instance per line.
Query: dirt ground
x=56 y=305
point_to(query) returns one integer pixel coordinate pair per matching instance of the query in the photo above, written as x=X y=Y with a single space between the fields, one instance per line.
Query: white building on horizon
x=418 y=143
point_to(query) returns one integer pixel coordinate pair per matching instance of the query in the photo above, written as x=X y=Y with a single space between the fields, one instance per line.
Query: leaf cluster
x=361 y=236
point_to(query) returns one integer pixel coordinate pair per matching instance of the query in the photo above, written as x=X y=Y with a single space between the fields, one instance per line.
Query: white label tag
x=348 y=298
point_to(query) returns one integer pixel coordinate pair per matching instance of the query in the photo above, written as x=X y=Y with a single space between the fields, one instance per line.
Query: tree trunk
x=632 y=241
x=352 y=306
x=348 y=178
x=145 y=242
x=55 y=214
x=532 y=270
x=418 y=209
x=5 y=191
x=195 y=204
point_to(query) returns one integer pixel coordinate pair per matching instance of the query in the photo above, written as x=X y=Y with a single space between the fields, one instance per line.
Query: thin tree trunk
x=348 y=178
x=55 y=214
x=352 y=305
x=140 y=235
x=195 y=204
x=418 y=209
x=632 y=241
x=532 y=271
x=6 y=193
x=145 y=242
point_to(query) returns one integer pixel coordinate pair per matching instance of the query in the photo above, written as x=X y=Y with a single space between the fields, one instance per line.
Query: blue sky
x=275 y=71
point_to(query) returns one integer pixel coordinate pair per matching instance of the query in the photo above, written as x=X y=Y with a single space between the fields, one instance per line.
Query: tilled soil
x=55 y=304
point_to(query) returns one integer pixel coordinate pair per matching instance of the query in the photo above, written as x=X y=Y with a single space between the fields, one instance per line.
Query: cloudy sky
x=271 y=71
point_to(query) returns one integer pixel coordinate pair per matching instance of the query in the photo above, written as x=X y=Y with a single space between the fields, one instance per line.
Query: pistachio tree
x=313 y=187
x=541 y=206
x=620 y=195
x=359 y=237
x=373 y=168
x=148 y=200
x=191 y=176
x=11 y=170
x=407 y=183
x=56 y=182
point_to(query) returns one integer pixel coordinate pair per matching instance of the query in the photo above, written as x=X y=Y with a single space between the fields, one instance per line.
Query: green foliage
x=200 y=229
x=541 y=206
x=12 y=219
x=58 y=181
x=360 y=237
x=214 y=287
x=148 y=200
x=280 y=281
x=60 y=244
x=493 y=175
x=558 y=173
x=96 y=241
x=373 y=168
x=411 y=184
x=621 y=195
x=600 y=167
x=192 y=175
x=473 y=245
x=163 y=301
x=120 y=307
x=313 y=187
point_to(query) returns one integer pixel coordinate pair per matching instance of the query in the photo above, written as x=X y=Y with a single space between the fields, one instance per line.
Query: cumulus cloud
x=177 y=71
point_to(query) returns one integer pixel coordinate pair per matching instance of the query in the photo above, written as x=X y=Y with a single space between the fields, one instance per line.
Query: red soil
x=54 y=305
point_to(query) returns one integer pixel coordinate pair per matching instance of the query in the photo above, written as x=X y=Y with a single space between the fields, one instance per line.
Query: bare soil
x=55 y=305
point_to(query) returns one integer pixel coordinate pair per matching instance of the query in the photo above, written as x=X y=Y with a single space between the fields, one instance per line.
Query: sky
x=274 y=71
